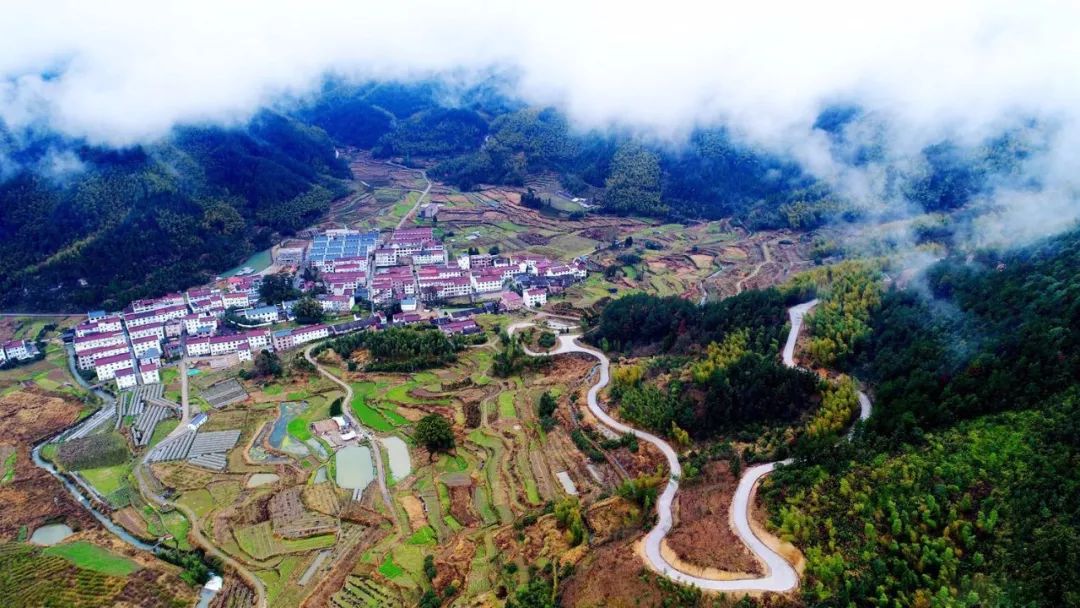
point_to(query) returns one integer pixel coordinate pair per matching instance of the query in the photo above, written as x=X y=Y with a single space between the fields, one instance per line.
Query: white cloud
x=130 y=70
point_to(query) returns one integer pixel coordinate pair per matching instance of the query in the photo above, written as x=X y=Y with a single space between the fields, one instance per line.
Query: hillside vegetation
x=964 y=489
x=150 y=219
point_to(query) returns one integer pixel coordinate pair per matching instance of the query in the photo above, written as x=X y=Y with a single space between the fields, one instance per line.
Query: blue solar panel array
x=352 y=245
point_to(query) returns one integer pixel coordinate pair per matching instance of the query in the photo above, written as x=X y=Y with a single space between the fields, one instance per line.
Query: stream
x=205 y=594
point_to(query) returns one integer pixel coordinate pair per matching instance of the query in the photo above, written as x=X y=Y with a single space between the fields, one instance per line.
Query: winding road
x=346 y=411
x=780 y=574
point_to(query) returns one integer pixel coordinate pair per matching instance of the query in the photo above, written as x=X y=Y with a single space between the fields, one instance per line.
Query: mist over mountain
x=781 y=118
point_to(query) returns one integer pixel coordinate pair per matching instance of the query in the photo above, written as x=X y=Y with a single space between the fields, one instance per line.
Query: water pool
x=355 y=469
x=51 y=534
x=398 y=451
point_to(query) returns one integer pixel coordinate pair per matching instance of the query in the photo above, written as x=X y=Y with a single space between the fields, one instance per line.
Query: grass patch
x=369 y=416
x=298 y=427
x=389 y=569
x=423 y=536
x=108 y=479
x=273 y=389
x=9 y=467
x=506 y=405
x=92 y=557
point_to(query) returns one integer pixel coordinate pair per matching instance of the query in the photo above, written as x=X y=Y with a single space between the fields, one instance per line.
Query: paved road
x=346 y=411
x=420 y=199
x=780 y=575
x=185 y=403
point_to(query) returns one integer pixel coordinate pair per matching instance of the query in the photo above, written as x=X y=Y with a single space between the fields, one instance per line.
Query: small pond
x=355 y=469
x=279 y=435
x=261 y=479
x=398 y=451
x=51 y=534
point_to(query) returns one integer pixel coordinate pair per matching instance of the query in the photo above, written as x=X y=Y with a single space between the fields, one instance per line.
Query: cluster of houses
x=411 y=264
x=17 y=350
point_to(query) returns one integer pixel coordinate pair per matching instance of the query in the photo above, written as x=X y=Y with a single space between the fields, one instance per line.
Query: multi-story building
x=93 y=341
x=125 y=378
x=142 y=345
x=106 y=367
x=149 y=373
x=487 y=281
x=386 y=256
x=338 y=303
x=157 y=315
x=87 y=358
x=235 y=300
x=204 y=324
x=153 y=329
x=19 y=350
x=534 y=297
x=223 y=345
x=198 y=347
x=262 y=314
x=290 y=338
x=258 y=339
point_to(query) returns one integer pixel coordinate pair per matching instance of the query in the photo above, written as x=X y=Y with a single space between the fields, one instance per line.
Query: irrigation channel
x=212 y=586
x=780 y=575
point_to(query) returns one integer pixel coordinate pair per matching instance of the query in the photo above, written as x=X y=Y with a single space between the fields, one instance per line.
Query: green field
x=506 y=405
x=92 y=557
x=108 y=479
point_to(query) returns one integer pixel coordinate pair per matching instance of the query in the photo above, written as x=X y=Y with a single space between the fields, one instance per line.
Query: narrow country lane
x=346 y=411
x=780 y=575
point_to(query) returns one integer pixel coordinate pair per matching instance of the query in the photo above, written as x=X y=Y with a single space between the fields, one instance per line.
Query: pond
x=257 y=262
x=49 y=535
x=398 y=451
x=261 y=479
x=355 y=469
x=279 y=435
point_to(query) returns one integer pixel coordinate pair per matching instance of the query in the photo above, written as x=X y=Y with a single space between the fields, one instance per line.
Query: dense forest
x=149 y=219
x=964 y=488
x=717 y=366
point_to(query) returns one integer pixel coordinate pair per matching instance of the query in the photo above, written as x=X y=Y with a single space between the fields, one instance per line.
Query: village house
x=93 y=341
x=198 y=347
x=87 y=358
x=149 y=373
x=510 y=301
x=19 y=350
x=125 y=378
x=534 y=297
x=261 y=315
x=289 y=338
x=142 y=345
x=106 y=367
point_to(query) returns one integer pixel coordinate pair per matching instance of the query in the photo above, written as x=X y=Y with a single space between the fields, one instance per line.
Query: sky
x=122 y=72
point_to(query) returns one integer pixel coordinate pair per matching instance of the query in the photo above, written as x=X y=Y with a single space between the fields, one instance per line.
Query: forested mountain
x=964 y=488
x=149 y=219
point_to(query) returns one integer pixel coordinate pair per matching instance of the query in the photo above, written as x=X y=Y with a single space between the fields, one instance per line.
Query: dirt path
x=739 y=286
x=412 y=212
x=346 y=411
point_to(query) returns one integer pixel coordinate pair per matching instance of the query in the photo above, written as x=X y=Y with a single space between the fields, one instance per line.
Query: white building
x=200 y=324
x=126 y=378
x=145 y=344
x=154 y=329
x=262 y=314
x=198 y=347
x=289 y=338
x=149 y=373
x=106 y=367
x=92 y=341
x=258 y=339
x=87 y=358
x=534 y=297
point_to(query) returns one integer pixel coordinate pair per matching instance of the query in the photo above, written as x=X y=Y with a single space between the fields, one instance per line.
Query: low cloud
x=123 y=72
